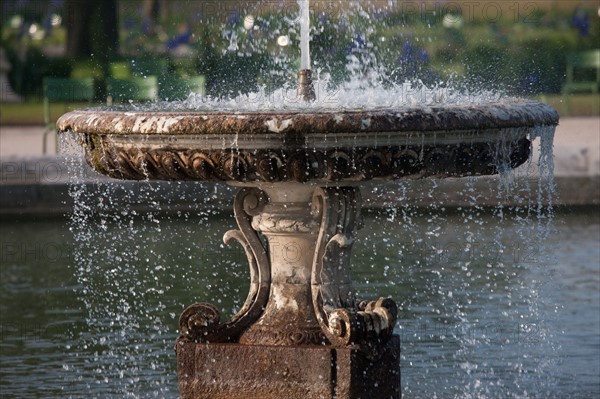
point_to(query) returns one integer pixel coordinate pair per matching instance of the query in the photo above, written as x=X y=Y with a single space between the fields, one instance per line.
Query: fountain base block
x=232 y=371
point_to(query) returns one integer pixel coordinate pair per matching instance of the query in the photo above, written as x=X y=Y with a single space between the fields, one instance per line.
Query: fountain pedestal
x=301 y=332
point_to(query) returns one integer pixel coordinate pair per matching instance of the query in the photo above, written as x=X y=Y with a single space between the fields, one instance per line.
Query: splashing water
x=353 y=95
x=132 y=285
x=468 y=280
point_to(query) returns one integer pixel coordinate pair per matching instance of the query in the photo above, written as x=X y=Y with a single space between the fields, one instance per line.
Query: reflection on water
x=484 y=313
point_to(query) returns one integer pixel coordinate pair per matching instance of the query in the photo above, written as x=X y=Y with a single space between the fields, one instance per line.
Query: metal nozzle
x=306 y=90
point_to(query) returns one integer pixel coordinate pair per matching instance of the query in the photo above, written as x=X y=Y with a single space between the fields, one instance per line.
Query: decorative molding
x=267 y=335
x=137 y=162
x=289 y=218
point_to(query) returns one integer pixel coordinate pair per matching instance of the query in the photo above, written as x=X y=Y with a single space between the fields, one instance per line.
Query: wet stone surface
x=235 y=371
x=128 y=121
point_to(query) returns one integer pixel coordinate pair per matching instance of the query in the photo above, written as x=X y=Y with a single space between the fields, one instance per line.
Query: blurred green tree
x=92 y=29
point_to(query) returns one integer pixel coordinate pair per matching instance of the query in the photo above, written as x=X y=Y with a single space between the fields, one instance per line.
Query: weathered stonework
x=292 y=125
x=342 y=164
x=231 y=371
x=308 y=147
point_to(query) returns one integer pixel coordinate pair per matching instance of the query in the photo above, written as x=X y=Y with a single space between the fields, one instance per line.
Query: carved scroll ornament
x=342 y=319
x=201 y=322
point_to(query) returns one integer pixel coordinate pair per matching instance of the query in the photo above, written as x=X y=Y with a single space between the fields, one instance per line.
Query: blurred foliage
x=523 y=57
x=30 y=66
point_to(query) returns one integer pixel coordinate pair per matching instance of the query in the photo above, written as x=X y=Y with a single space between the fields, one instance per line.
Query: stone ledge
x=35 y=198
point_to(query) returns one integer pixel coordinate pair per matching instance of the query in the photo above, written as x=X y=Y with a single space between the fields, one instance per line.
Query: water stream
x=304 y=20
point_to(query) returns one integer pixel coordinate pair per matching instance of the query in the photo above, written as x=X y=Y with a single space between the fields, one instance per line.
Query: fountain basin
x=297 y=213
x=302 y=146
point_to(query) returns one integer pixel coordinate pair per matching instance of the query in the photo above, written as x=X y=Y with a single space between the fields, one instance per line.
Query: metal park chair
x=87 y=69
x=120 y=70
x=63 y=90
x=173 y=88
x=132 y=89
x=577 y=65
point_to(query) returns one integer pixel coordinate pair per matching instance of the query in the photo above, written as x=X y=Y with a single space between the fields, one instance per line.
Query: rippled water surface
x=484 y=313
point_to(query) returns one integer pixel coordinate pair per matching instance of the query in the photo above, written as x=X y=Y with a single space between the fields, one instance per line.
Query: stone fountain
x=301 y=332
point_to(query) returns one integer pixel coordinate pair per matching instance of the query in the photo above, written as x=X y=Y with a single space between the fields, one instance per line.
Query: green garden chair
x=120 y=70
x=87 y=69
x=63 y=90
x=185 y=67
x=133 y=89
x=578 y=65
x=173 y=88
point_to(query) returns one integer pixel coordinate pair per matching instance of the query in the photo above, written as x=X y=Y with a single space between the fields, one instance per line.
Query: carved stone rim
x=128 y=121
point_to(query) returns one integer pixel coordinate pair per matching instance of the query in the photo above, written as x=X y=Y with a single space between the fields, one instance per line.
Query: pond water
x=485 y=311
